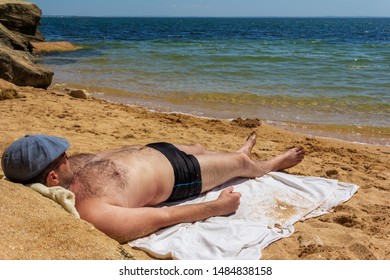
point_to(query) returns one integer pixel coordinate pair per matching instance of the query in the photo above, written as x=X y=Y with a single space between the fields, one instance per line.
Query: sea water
x=329 y=73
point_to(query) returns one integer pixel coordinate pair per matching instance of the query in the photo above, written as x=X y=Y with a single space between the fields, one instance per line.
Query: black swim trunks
x=188 y=180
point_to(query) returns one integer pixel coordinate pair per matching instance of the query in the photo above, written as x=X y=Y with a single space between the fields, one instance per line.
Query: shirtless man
x=116 y=190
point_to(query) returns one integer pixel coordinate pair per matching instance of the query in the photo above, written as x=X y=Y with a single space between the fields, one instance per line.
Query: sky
x=216 y=8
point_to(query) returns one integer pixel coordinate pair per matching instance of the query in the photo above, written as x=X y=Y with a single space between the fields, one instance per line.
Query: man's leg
x=198 y=149
x=219 y=168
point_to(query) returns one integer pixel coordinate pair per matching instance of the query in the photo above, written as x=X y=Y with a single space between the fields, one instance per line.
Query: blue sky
x=217 y=8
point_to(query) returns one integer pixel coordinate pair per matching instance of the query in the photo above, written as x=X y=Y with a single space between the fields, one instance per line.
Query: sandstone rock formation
x=21 y=17
x=19 y=23
x=49 y=47
x=18 y=67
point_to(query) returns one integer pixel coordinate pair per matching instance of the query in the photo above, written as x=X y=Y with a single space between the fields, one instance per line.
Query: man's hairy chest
x=97 y=178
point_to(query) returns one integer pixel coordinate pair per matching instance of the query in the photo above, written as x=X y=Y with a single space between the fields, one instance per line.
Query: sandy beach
x=34 y=227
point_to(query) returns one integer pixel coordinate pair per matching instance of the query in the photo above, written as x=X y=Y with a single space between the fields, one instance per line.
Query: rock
x=78 y=93
x=8 y=94
x=21 y=17
x=17 y=67
x=249 y=123
x=19 y=22
x=13 y=40
x=45 y=47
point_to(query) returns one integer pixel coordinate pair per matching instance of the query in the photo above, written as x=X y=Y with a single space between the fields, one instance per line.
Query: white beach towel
x=62 y=196
x=270 y=205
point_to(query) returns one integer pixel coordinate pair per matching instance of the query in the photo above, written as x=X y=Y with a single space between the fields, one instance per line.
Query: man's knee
x=194 y=149
x=198 y=149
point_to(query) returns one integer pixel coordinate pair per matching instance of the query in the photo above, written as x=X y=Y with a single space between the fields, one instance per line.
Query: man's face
x=65 y=173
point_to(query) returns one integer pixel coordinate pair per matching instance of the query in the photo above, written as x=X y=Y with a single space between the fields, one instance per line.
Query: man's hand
x=227 y=202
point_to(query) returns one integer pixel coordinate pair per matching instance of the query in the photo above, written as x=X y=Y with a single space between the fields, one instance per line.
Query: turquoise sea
x=331 y=74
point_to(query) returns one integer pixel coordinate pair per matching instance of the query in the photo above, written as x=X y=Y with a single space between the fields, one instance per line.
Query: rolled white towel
x=62 y=196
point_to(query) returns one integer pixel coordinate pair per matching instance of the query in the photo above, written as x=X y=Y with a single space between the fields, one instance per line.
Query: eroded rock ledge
x=19 y=21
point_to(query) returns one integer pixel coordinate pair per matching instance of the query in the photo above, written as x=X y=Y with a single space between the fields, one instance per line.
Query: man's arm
x=125 y=224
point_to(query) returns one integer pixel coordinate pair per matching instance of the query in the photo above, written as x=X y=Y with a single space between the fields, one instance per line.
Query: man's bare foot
x=250 y=142
x=288 y=159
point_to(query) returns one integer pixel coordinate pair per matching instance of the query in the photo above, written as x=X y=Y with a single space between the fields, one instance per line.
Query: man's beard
x=67 y=180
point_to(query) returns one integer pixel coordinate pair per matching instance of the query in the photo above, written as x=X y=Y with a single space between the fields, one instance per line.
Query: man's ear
x=52 y=179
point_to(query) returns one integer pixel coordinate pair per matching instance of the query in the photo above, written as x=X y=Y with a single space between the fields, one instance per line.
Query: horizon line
x=161 y=16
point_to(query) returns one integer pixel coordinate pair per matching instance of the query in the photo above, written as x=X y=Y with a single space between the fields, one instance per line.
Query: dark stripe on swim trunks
x=186 y=184
x=186 y=169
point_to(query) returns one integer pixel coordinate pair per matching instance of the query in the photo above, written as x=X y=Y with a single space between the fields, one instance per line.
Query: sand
x=34 y=227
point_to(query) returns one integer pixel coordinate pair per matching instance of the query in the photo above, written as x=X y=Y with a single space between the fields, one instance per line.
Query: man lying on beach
x=116 y=190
